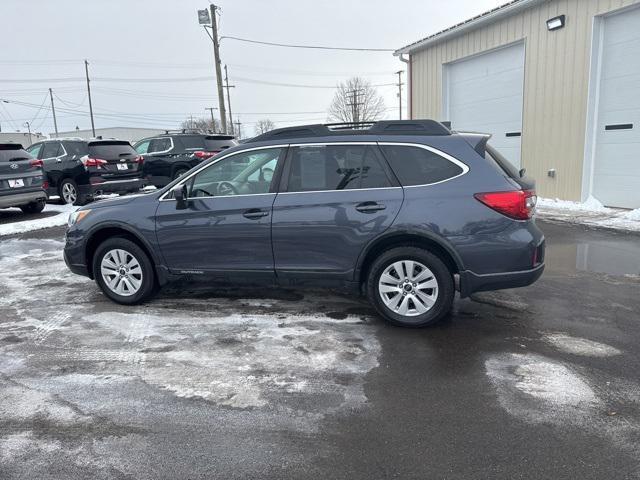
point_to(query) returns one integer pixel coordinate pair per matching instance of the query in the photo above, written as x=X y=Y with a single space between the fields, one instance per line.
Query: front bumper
x=21 y=199
x=77 y=268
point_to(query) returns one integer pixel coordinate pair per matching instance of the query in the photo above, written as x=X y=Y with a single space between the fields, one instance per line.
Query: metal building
x=557 y=83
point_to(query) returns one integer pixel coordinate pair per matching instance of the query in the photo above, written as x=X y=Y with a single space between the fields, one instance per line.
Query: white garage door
x=485 y=94
x=616 y=173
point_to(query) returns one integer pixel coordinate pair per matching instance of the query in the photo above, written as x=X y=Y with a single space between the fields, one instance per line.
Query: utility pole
x=86 y=71
x=399 y=73
x=213 y=121
x=53 y=110
x=28 y=125
x=239 y=129
x=216 y=58
x=226 y=84
x=355 y=104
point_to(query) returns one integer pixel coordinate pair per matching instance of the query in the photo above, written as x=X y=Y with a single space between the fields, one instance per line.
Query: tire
x=127 y=250
x=34 y=207
x=179 y=172
x=70 y=194
x=423 y=306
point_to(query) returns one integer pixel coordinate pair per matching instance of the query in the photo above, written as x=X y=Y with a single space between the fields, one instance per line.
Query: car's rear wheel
x=34 y=207
x=70 y=194
x=410 y=287
x=123 y=271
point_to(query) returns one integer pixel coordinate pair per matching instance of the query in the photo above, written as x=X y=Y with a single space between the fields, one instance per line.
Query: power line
x=315 y=47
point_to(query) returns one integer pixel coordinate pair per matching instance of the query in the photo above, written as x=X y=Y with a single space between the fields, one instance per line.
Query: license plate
x=17 y=183
x=122 y=166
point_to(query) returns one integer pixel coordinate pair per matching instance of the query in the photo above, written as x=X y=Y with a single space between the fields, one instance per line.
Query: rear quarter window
x=419 y=166
x=192 y=142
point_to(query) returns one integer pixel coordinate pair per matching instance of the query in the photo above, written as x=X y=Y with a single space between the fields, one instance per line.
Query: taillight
x=517 y=204
x=202 y=155
x=93 y=162
x=45 y=185
x=139 y=159
x=36 y=163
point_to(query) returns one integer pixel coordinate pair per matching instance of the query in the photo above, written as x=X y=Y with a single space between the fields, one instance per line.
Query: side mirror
x=522 y=172
x=180 y=194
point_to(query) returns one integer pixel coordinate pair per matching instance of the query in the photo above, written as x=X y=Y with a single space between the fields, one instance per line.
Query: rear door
x=19 y=171
x=122 y=160
x=51 y=155
x=335 y=198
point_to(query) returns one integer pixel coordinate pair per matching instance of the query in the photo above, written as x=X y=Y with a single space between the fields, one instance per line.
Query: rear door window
x=159 y=145
x=419 y=166
x=111 y=150
x=51 y=150
x=77 y=149
x=335 y=167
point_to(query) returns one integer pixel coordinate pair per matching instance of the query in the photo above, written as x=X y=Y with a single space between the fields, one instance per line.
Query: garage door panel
x=616 y=169
x=485 y=94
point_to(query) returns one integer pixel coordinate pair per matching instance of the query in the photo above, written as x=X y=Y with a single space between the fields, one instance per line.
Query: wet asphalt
x=540 y=382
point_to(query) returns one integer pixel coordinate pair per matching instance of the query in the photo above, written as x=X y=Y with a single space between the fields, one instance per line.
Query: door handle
x=370 y=207
x=255 y=214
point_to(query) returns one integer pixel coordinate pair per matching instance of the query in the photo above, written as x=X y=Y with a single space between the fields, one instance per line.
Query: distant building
x=557 y=83
x=132 y=134
x=21 y=137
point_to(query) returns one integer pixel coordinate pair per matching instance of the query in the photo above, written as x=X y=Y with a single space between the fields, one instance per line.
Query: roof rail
x=382 y=127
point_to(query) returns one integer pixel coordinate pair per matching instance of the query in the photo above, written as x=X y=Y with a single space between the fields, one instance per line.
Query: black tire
x=34 y=207
x=80 y=199
x=179 y=172
x=148 y=286
x=445 y=291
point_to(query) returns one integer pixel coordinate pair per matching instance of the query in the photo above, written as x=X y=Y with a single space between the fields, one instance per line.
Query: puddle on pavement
x=598 y=252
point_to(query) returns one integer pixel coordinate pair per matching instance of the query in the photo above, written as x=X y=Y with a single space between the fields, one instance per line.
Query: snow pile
x=45 y=221
x=591 y=213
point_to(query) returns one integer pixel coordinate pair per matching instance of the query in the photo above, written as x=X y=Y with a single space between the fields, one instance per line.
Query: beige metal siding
x=556 y=84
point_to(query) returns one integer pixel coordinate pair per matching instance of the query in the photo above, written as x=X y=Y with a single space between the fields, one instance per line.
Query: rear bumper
x=113 y=186
x=471 y=282
x=21 y=199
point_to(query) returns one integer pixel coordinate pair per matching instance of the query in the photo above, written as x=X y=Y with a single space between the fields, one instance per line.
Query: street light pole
x=28 y=125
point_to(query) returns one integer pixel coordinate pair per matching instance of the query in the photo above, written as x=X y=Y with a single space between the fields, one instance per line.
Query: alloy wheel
x=69 y=193
x=121 y=272
x=408 y=288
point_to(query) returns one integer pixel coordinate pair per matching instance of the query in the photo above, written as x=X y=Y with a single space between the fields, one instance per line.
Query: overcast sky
x=146 y=57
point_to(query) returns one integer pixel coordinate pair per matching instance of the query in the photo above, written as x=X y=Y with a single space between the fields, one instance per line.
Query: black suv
x=78 y=169
x=168 y=156
x=21 y=179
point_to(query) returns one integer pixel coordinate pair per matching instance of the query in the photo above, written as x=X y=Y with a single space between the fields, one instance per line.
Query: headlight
x=76 y=216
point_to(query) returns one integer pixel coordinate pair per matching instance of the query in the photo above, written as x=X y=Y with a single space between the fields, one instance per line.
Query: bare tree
x=200 y=124
x=263 y=126
x=356 y=101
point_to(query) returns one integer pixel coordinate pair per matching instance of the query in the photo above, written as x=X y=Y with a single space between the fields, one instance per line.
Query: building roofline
x=478 y=21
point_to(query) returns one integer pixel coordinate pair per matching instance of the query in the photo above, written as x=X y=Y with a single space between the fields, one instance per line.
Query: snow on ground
x=45 y=221
x=591 y=213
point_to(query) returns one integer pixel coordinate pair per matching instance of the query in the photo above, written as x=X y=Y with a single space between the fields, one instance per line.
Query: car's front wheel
x=123 y=271
x=410 y=287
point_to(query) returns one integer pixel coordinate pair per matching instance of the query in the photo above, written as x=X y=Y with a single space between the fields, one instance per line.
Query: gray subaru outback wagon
x=406 y=212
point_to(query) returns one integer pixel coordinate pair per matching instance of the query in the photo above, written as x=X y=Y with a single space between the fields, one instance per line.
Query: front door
x=226 y=227
x=336 y=199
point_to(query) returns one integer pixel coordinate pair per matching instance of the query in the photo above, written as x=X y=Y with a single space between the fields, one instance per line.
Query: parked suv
x=78 y=169
x=168 y=156
x=404 y=211
x=21 y=179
